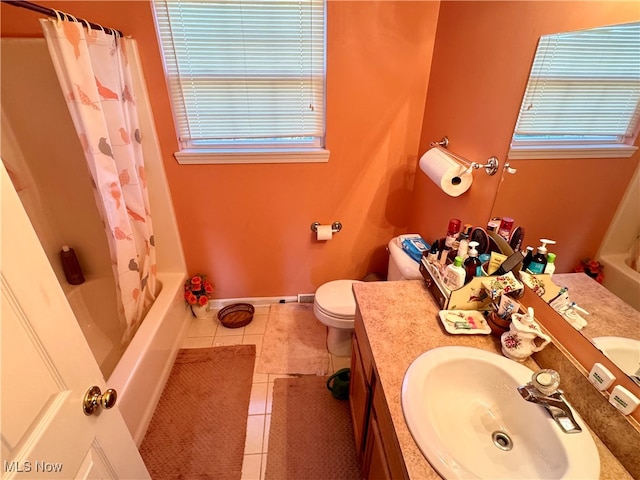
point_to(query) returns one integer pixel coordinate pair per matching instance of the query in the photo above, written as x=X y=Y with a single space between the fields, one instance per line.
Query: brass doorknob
x=94 y=398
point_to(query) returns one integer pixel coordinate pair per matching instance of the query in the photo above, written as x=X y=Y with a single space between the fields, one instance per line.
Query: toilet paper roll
x=324 y=232
x=445 y=172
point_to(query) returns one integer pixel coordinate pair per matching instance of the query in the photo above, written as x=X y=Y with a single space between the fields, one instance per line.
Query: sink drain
x=502 y=441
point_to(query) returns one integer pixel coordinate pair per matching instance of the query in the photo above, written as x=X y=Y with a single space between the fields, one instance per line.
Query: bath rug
x=295 y=342
x=198 y=429
x=311 y=434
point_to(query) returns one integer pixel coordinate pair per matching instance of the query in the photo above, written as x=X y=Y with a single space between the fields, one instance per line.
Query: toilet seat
x=335 y=299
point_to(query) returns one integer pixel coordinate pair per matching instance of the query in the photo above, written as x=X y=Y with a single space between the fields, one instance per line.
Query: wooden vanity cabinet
x=375 y=438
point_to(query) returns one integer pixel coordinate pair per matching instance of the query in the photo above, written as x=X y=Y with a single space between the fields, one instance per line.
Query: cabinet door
x=359 y=399
x=375 y=460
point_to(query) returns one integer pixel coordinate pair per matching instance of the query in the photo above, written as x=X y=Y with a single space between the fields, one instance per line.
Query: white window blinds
x=584 y=87
x=245 y=74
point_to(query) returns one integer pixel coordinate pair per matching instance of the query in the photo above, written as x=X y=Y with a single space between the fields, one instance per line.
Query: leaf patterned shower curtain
x=92 y=68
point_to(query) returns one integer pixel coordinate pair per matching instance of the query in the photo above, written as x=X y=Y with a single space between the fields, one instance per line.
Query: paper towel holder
x=335 y=227
x=491 y=167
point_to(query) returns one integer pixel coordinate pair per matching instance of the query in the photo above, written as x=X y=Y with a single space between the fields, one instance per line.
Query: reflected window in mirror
x=582 y=99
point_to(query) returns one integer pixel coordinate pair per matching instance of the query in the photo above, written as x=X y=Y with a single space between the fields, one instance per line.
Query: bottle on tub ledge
x=71 y=266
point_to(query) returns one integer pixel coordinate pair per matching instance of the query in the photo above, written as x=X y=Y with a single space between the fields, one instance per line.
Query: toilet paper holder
x=491 y=167
x=335 y=227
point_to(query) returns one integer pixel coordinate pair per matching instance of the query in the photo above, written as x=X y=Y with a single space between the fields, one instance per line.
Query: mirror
x=589 y=207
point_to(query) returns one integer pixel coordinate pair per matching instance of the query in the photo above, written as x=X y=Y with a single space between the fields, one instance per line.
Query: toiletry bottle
x=539 y=261
x=505 y=228
x=527 y=258
x=551 y=266
x=472 y=265
x=493 y=224
x=463 y=246
x=454 y=275
x=452 y=232
x=432 y=256
x=71 y=266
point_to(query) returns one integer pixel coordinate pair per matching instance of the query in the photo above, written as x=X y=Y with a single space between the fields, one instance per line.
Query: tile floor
x=207 y=332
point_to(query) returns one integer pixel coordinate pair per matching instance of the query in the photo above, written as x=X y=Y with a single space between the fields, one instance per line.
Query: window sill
x=201 y=156
x=570 y=151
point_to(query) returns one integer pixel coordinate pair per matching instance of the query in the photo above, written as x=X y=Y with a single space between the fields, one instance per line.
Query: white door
x=46 y=369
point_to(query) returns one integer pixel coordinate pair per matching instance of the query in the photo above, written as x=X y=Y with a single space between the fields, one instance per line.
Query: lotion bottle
x=454 y=275
x=539 y=261
x=472 y=264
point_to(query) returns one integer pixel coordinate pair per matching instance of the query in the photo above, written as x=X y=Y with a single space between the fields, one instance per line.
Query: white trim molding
x=202 y=156
x=530 y=152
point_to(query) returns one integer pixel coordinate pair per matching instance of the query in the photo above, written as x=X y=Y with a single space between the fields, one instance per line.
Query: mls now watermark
x=29 y=466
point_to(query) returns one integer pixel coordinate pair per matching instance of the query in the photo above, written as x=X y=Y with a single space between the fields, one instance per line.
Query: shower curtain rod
x=65 y=16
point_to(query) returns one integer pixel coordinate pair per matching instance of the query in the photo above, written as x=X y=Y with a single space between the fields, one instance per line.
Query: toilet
x=335 y=306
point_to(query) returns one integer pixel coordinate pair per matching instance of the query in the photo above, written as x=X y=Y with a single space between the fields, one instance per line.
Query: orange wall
x=481 y=64
x=248 y=226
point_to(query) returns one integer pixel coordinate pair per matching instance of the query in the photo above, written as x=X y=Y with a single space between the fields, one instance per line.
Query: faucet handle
x=546 y=381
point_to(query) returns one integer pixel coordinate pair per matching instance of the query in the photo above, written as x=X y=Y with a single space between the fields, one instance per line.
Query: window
x=246 y=78
x=583 y=96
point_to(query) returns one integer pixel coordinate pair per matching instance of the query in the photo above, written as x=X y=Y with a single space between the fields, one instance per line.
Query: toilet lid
x=336 y=298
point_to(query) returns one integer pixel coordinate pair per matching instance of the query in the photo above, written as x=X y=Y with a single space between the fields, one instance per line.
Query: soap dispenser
x=539 y=261
x=472 y=264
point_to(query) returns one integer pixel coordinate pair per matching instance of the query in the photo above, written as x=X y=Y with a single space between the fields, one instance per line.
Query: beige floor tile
x=258 y=399
x=251 y=466
x=257 y=326
x=224 y=331
x=265 y=440
x=261 y=309
x=264 y=466
x=227 y=340
x=269 y=398
x=255 y=433
x=259 y=377
x=202 y=327
x=254 y=340
x=196 y=342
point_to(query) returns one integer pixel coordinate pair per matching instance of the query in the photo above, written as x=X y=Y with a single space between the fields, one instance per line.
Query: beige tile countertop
x=401 y=322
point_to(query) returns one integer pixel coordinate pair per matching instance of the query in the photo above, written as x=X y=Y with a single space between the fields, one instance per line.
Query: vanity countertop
x=605 y=308
x=401 y=322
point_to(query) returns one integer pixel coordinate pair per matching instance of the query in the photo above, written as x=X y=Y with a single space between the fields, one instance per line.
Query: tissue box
x=414 y=246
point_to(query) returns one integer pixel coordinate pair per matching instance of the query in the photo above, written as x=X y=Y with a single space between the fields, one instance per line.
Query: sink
x=624 y=352
x=463 y=409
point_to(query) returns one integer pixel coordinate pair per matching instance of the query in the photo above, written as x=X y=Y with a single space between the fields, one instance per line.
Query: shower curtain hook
x=86 y=24
x=58 y=17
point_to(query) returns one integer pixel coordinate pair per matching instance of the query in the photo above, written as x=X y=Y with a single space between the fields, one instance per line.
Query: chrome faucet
x=543 y=389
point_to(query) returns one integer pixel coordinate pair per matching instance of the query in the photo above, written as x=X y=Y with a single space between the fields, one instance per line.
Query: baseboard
x=255 y=301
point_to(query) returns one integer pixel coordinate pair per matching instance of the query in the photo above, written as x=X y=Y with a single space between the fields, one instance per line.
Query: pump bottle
x=472 y=264
x=551 y=266
x=539 y=261
x=454 y=274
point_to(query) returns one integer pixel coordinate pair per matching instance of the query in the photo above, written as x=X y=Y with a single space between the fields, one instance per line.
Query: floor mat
x=311 y=434
x=198 y=429
x=294 y=342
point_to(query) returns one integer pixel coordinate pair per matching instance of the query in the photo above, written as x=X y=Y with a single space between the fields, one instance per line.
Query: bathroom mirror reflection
x=597 y=219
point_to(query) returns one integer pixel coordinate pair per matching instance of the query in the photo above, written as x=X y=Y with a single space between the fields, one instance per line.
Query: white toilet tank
x=401 y=265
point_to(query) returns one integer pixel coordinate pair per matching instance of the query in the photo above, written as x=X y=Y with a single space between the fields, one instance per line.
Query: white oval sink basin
x=624 y=352
x=463 y=409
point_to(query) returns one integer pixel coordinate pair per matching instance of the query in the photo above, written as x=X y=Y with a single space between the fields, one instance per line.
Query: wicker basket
x=236 y=315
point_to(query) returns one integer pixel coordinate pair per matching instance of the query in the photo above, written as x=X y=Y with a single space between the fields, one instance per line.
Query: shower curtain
x=92 y=68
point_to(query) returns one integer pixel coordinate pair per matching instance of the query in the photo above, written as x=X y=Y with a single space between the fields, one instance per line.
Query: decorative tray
x=464 y=322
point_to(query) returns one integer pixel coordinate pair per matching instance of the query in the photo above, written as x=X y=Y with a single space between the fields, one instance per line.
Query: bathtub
x=144 y=368
x=138 y=371
x=620 y=278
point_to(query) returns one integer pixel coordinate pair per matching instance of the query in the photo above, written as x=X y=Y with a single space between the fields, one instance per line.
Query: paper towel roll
x=445 y=172
x=324 y=232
